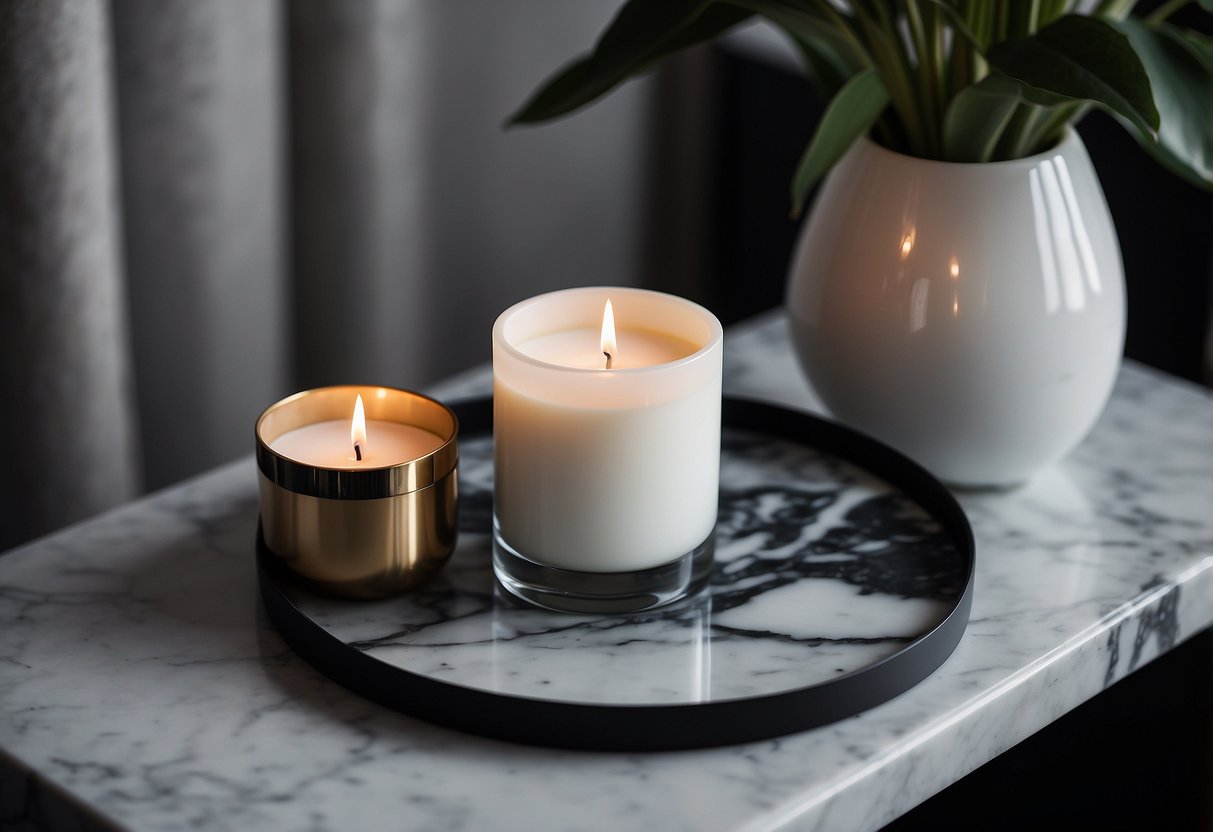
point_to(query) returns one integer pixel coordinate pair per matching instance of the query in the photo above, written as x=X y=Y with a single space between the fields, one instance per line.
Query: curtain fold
x=67 y=415
x=200 y=126
x=358 y=171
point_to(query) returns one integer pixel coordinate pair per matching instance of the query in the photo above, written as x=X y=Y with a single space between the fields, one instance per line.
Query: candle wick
x=358 y=451
x=608 y=359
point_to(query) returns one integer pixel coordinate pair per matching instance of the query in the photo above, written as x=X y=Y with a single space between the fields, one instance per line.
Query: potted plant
x=957 y=289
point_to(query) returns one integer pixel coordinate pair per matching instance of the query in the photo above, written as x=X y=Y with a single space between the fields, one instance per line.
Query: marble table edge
x=35 y=801
x=897 y=763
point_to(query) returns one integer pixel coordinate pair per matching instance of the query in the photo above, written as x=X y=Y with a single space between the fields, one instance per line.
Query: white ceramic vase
x=970 y=315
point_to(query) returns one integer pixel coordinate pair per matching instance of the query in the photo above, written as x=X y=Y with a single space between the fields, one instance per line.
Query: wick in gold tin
x=358 y=487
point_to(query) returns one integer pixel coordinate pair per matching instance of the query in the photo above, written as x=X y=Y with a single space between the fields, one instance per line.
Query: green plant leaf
x=713 y=22
x=825 y=70
x=794 y=15
x=849 y=115
x=642 y=33
x=976 y=116
x=829 y=58
x=1183 y=91
x=813 y=32
x=1200 y=44
x=1082 y=58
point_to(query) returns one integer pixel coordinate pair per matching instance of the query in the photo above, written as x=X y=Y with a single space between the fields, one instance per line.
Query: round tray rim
x=657 y=726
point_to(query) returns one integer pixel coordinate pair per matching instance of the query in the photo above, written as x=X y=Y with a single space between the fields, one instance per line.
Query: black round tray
x=908 y=542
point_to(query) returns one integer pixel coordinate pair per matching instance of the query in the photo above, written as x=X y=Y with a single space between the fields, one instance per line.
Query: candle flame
x=609 y=347
x=358 y=429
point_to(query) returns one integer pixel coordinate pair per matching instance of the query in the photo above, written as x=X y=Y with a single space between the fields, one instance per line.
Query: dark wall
x=764 y=124
x=1164 y=225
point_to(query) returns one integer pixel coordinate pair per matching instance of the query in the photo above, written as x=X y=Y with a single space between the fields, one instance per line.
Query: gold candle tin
x=364 y=533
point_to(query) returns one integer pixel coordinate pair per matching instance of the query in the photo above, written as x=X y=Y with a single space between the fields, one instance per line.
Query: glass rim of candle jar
x=625 y=318
x=391 y=404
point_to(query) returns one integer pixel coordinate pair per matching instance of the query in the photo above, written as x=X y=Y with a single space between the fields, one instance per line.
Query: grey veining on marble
x=821 y=569
x=139 y=674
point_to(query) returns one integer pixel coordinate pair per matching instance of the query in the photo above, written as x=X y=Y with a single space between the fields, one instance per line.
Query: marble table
x=142 y=687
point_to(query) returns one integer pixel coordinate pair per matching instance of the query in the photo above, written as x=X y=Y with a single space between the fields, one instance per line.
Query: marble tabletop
x=142 y=687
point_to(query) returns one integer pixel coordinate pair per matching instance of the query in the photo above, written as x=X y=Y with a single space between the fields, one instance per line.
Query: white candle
x=327 y=444
x=606 y=470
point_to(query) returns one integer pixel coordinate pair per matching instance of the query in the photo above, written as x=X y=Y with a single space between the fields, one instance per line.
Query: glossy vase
x=970 y=315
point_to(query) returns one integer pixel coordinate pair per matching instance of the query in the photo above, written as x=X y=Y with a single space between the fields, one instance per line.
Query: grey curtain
x=207 y=204
x=68 y=413
x=200 y=140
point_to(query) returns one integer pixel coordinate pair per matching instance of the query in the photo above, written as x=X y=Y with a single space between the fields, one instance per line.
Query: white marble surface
x=139 y=676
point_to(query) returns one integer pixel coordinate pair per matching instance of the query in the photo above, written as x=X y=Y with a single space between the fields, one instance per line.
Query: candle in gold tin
x=358 y=487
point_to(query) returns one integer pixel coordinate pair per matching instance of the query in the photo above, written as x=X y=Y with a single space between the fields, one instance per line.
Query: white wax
x=606 y=470
x=328 y=445
x=582 y=348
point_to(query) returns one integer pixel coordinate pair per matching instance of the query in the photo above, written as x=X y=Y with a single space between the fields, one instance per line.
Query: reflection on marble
x=138 y=673
x=821 y=569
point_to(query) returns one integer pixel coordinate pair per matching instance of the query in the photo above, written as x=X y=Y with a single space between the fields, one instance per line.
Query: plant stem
x=1050 y=10
x=961 y=74
x=1028 y=137
x=981 y=24
x=1165 y=10
x=847 y=28
x=1115 y=9
x=1012 y=133
x=1057 y=118
x=937 y=59
x=887 y=59
x=1033 y=21
x=928 y=94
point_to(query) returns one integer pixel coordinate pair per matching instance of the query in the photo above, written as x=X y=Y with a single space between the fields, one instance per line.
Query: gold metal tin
x=364 y=533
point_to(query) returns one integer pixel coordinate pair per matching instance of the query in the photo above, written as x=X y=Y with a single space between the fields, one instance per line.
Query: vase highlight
x=970 y=315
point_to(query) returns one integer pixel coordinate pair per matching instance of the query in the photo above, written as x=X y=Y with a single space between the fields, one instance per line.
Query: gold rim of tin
x=336 y=402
